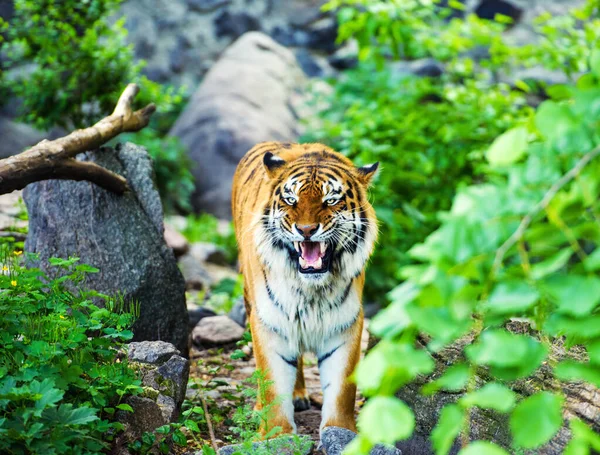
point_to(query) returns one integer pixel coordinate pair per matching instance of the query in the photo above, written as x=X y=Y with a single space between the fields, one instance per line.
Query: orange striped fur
x=305 y=231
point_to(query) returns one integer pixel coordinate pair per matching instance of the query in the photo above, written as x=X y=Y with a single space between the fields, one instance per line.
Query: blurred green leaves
x=468 y=163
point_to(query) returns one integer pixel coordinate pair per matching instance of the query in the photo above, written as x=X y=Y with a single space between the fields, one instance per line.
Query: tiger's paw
x=301 y=404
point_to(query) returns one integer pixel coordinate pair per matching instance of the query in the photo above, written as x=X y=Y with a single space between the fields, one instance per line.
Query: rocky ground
x=215 y=369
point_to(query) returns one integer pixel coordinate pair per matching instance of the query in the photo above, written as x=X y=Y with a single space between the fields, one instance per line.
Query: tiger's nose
x=306 y=230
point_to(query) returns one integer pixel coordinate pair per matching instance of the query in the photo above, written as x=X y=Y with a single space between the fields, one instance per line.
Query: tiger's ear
x=272 y=163
x=367 y=172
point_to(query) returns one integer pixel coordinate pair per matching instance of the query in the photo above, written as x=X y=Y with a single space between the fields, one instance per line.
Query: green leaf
x=552 y=264
x=593 y=349
x=386 y=420
x=49 y=395
x=595 y=62
x=575 y=295
x=553 y=120
x=583 y=438
x=78 y=416
x=508 y=148
x=500 y=348
x=447 y=429
x=389 y=366
x=482 y=448
x=536 y=420
x=511 y=297
x=124 y=407
x=592 y=262
x=454 y=379
x=570 y=370
x=490 y=396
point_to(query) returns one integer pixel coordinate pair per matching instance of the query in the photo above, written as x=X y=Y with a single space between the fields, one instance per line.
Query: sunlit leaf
x=536 y=420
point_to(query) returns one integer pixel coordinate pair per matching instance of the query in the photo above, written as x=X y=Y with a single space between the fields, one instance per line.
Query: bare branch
x=54 y=159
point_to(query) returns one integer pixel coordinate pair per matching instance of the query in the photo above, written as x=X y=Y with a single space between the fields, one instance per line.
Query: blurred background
x=422 y=86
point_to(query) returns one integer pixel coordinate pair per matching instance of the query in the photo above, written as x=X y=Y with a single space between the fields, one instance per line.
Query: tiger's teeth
x=323 y=247
x=297 y=246
x=303 y=263
x=318 y=264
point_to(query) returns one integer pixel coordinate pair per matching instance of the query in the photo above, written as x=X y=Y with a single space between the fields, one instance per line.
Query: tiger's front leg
x=279 y=363
x=337 y=361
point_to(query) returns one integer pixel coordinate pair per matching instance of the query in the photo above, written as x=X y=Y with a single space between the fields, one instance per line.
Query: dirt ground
x=222 y=381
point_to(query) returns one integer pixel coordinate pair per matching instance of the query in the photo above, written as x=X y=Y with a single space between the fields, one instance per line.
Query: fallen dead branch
x=56 y=159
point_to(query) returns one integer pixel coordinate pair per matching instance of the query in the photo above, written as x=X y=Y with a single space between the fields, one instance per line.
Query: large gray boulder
x=245 y=98
x=120 y=235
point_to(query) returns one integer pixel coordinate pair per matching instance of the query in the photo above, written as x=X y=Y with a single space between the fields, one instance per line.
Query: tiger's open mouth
x=313 y=257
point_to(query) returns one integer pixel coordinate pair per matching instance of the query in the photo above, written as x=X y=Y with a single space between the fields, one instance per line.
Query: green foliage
x=79 y=63
x=61 y=378
x=174 y=434
x=514 y=233
x=248 y=420
x=429 y=135
x=206 y=228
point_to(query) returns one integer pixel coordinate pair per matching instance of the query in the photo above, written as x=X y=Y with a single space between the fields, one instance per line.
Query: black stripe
x=329 y=354
x=346 y=326
x=275 y=330
x=293 y=362
x=272 y=295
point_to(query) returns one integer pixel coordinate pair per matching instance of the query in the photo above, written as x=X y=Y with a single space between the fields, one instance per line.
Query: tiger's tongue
x=311 y=252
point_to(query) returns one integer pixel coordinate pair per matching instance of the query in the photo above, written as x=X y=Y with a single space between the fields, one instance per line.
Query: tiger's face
x=319 y=217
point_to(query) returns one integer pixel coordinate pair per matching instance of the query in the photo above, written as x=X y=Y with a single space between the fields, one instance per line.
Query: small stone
x=176 y=241
x=238 y=312
x=334 y=440
x=198 y=312
x=345 y=57
x=193 y=272
x=208 y=252
x=146 y=416
x=205 y=6
x=488 y=9
x=217 y=330
x=323 y=35
x=175 y=373
x=308 y=63
x=234 y=25
x=153 y=352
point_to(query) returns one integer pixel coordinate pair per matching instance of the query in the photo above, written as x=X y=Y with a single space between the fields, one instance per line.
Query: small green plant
x=248 y=421
x=225 y=294
x=80 y=63
x=206 y=228
x=176 y=433
x=61 y=375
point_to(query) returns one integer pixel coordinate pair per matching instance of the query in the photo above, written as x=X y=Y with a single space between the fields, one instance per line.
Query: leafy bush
x=78 y=63
x=521 y=242
x=429 y=133
x=60 y=377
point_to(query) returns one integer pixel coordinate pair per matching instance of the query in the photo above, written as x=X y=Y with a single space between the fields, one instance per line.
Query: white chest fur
x=306 y=317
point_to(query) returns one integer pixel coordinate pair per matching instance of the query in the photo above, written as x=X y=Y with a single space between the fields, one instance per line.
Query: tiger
x=305 y=231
